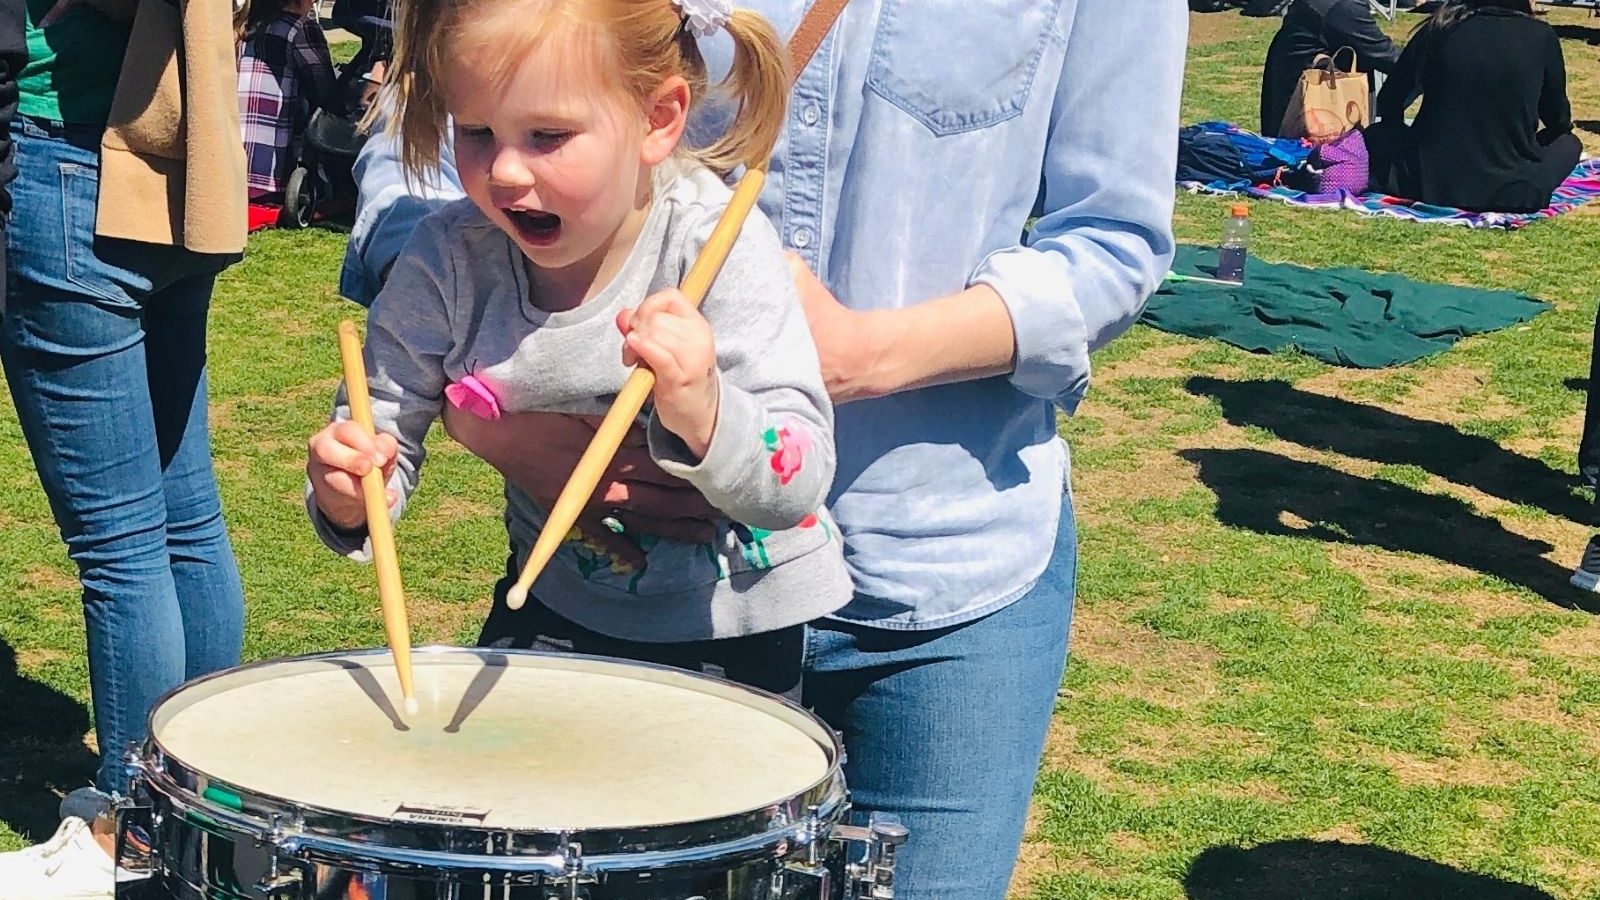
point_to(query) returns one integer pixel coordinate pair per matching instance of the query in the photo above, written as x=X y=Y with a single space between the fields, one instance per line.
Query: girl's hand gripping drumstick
x=625 y=409
x=379 y=528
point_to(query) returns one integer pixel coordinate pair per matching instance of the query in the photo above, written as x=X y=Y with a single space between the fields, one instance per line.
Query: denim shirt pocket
x=961 y=71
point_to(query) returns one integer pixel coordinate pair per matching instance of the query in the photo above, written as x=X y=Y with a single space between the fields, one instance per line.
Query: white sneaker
x=69 y=866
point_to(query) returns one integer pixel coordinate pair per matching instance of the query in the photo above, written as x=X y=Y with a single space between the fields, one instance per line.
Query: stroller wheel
x=299 y=199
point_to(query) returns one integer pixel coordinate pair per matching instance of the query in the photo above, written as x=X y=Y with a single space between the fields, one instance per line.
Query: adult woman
x=1489 y=73
x=103 y=343
x=285 y=72
x=13 y=56
x=949 y=341
x=1310 y=28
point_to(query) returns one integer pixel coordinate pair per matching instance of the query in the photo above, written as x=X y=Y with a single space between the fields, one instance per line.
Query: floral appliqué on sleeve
x=788 y=443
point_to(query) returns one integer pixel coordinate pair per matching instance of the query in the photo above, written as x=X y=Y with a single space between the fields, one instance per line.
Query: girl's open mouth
x=541 y=229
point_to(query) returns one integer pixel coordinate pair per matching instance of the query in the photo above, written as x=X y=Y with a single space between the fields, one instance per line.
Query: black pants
x=1589 y=444
x=772 y=662
x=1397 y=170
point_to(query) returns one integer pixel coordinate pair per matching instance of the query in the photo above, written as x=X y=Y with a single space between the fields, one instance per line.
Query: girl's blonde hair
x=636 y=45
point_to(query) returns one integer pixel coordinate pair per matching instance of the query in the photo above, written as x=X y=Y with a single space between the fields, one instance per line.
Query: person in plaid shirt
x=283 y=63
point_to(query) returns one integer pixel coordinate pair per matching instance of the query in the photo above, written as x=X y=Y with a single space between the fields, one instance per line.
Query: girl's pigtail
x=759 y=84
x=412 y=99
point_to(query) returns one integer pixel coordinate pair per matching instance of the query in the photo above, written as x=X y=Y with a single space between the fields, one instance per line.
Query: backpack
x=1220 y=155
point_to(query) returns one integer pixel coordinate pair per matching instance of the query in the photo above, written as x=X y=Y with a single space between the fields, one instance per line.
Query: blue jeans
x=946 y=728
x=104 y=348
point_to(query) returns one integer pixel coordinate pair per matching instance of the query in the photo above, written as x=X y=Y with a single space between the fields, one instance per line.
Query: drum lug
x=278 y=884
x=871 y=877
x=281 y=886
x=815 y=864
x=571 y=885
x=814 y=873
x=136 y=854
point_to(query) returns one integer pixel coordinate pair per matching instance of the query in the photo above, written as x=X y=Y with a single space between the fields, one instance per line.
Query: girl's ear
x=666 y=114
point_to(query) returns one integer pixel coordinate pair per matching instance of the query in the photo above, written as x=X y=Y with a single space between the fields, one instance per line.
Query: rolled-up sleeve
x=1104 y=241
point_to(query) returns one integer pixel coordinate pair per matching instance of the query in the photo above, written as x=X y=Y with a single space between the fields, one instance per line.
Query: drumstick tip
x=411 y=707
x=517 y=596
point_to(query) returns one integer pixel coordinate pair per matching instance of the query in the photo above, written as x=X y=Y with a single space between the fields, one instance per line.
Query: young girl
x=557 y=273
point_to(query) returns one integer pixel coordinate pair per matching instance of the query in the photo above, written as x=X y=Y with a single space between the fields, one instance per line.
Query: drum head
x=503 y=740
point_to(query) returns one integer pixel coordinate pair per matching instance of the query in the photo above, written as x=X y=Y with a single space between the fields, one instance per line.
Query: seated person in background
x=285 y=71
x=371 y=21
x=1489 y=72
x=1312 y=27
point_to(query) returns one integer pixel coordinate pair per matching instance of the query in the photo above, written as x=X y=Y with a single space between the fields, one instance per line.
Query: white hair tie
x=703 y=18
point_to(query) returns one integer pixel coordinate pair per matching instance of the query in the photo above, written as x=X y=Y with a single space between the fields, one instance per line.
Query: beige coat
x=172 y=162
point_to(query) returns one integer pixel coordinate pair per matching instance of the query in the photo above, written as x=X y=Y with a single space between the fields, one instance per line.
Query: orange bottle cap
x=1241 y=209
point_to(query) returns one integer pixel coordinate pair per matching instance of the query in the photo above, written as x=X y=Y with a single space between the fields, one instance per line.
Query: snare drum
x=525 y=776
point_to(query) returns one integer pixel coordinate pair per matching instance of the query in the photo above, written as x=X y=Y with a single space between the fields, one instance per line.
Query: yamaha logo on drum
x=441 y=815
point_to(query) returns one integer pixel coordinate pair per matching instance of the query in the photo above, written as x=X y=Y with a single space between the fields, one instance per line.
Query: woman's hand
x=537 y=452
x=850 y=350
x=336 y=459
x=668 y=336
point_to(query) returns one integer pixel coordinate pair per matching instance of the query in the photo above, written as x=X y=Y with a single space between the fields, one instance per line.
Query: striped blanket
x=1581 y=187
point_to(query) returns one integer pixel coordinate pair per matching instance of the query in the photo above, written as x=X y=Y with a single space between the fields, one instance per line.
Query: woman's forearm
x=960 y=337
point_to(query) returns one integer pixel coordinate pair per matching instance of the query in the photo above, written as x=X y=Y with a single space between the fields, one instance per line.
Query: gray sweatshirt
x=457 y=303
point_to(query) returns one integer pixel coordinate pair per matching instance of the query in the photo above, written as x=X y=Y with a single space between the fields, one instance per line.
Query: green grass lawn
x=1324 y=647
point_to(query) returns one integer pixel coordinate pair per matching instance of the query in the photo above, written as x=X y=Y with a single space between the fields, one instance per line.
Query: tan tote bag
x=1328 y=101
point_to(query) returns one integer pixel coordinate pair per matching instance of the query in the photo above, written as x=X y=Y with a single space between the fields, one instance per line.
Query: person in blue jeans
x=103 y=343
x=909 y=167
x=13 y=56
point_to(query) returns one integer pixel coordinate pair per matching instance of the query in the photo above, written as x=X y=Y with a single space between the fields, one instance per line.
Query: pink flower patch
x=470 y=395
x=787 y=458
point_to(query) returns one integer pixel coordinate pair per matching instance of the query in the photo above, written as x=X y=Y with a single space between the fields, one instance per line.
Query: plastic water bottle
x=1235 y=244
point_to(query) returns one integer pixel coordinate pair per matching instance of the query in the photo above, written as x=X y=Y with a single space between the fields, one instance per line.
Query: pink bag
x=1342 y=164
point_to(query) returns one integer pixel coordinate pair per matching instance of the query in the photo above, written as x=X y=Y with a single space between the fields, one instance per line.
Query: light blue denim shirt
x=919 y=141
x=387 y=210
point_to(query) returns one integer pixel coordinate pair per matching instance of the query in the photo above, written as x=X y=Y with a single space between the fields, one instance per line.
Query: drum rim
x=275 y=818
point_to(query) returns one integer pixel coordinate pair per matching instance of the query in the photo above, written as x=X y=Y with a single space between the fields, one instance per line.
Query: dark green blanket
x=1346 y=317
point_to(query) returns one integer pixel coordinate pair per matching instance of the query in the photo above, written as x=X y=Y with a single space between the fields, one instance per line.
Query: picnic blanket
x=1582 y=186
x=1346 y=317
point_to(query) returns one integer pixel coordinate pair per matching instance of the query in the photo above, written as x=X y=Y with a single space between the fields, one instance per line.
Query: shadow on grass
x=41 y=750
x=1367 y=432
x=1271 y=494
x=1332 y=870
x=1589 y=34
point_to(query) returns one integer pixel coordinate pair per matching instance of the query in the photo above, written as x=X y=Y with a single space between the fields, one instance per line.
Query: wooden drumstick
x=379 y=528
x=630 y=400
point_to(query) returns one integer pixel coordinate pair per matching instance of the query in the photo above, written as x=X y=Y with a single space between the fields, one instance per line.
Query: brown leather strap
x=814 y=26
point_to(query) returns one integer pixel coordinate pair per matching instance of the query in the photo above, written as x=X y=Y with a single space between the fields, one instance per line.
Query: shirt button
x=811 y=114
x=802 y=237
